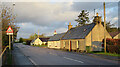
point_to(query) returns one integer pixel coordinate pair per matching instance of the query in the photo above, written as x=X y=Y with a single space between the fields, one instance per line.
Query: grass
x=40 y=45
x=110 y=54
x=7 y=58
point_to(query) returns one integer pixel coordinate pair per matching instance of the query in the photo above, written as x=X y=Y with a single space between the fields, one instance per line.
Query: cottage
x=84 y=38
x=39 y=41
x=54 y=41
x=115 y=35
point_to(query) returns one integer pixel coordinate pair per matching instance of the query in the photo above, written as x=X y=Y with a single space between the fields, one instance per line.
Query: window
x=78 y=43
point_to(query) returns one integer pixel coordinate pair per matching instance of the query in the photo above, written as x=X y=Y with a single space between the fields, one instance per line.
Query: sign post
x=9 y=32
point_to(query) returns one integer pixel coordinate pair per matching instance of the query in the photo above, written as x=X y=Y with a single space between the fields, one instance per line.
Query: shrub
x=113 y=49
x=88 y=48
x=113 y=45
x=28 y=42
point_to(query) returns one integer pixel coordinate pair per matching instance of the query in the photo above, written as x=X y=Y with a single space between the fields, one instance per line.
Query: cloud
x=44 y=14
x=48 y=16
x=90 y=6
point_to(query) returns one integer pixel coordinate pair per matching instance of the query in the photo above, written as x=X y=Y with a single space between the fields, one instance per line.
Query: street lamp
x=12 y=16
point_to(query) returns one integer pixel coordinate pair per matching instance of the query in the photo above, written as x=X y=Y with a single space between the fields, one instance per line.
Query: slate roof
x=33 y=40
x=79 y=32
x=56 y=37
x=42 y=39
x=113 y=34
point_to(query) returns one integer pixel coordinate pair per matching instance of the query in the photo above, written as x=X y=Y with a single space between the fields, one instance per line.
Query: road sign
x=9 y=31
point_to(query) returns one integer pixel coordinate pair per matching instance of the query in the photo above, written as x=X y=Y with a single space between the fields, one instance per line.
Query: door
x=70 y=45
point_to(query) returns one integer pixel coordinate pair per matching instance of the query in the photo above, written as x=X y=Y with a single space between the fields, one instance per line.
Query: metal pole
x=12 y=16
x=94 y=12
x=9 y=42
x=12 y=39
x=104 y=30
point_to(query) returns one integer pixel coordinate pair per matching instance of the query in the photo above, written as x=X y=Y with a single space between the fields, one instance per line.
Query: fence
x=6 y=56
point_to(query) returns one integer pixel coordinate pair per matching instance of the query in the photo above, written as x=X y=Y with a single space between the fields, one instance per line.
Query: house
x=39 y=41
x=84 y=38
x=54 y=41
x=115 y=35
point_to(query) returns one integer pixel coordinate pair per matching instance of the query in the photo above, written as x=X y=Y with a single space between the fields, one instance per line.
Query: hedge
x=113 y=45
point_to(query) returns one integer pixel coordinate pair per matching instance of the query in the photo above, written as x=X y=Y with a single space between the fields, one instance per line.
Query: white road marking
x=53 y=54
x=73 y=59
x=32 y=61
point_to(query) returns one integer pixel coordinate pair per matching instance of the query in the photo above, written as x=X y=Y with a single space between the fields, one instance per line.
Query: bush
x=88 y=48
x=21 y=40
x=113 y=45
x=113 y=49
x=28 y=42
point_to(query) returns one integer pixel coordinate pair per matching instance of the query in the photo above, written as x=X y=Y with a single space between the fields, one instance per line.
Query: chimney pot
x=55 y=32
x=97 y=14
x=69 y=26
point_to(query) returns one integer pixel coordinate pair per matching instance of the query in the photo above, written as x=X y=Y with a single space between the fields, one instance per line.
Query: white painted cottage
x=39 y=41
x=54 y=41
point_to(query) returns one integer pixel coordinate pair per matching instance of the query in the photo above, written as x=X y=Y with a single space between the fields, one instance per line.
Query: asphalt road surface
x=45 y=56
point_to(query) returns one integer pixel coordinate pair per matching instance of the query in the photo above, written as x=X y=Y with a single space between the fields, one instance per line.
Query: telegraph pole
x=38 y=33
x=104 y=29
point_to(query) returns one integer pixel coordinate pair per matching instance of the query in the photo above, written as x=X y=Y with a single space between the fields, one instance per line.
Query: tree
x=21 y=40
x=8 y=19
x=31 y=37
x=109 y=27
x=83 y=18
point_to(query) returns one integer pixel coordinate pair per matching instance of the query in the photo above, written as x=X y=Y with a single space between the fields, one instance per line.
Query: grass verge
x=109 y=54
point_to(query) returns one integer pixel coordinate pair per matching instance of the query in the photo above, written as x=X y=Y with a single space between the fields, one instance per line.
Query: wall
x=117 y=36
x=65 y=44
x=97 y=35
x=37 y=42
x=54 y=44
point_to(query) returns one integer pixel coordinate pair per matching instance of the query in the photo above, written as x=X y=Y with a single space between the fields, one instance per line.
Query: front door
x=70 y=45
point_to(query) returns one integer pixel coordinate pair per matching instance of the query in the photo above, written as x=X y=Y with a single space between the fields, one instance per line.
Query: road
x=45 y=56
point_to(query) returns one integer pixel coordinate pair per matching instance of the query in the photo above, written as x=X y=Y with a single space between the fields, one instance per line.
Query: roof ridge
x=82 y=26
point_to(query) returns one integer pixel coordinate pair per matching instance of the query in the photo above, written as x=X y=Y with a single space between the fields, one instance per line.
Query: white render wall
x=54 y=44
x=37 y=42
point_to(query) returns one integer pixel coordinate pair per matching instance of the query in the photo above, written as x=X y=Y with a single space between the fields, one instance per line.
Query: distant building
x=16 y=40
x=84 y=37
x=39 y=41
x=115 y=35
x=54 y=41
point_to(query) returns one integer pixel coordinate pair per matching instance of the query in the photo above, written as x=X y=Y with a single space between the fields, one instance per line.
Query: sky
x=46 y=17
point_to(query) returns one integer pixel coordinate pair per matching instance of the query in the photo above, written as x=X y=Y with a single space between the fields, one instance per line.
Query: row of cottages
x=39 y=41
x=54 y=41
x=83 y=37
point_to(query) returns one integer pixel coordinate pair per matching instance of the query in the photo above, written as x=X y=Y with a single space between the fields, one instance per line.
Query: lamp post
x=13 y=17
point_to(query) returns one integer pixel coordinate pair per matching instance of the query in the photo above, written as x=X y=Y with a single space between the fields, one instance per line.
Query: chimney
x=55 y=32
x=99 y=19
x=96 y=18
x=97 y=14
x=69 y=26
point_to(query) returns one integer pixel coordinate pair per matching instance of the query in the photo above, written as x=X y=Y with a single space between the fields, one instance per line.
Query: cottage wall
x=95 y=37
x=54 y=44
x=81 y=44
x=37 y=42
x=117 y=36
x=75 y=44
